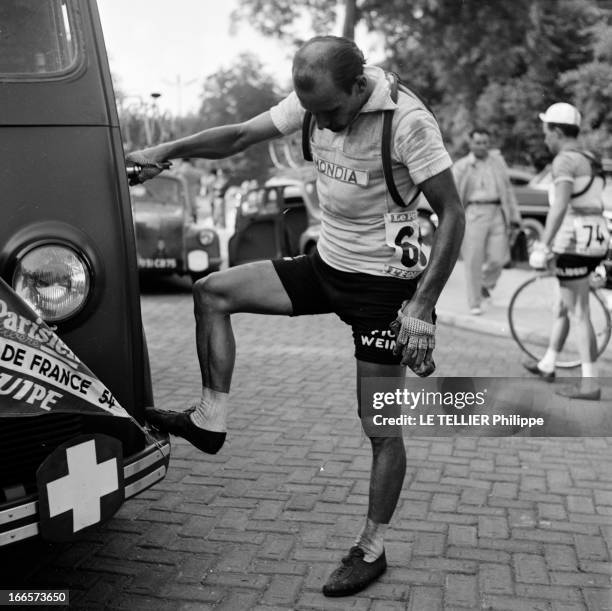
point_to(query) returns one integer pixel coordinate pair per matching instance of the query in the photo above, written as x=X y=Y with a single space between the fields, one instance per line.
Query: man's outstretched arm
x=213 y=143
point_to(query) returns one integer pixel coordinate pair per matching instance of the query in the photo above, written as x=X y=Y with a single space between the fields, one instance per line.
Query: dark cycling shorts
x=367 y=303
x=573 y=267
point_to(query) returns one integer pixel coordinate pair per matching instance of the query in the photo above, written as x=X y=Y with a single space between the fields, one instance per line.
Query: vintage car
x=532 y=202
x=271 y=221
x=74 y=369
x=170 y=236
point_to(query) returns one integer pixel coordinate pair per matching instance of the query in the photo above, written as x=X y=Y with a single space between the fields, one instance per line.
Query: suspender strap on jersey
x=306 y=131
x=596 y=170
x=385 y=146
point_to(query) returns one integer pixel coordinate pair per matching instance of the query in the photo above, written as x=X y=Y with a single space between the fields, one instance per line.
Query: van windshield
x=37 y=38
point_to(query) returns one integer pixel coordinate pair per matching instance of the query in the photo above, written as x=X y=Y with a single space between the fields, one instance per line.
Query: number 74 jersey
x=585 y=235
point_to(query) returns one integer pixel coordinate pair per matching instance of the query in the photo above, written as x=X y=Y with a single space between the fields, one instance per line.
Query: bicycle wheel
x=530 y=315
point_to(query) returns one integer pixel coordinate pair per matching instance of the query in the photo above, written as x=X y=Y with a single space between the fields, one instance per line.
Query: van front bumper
x=19 y=520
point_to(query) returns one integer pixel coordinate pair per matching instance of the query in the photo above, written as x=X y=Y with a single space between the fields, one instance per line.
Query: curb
x=479 y=324
x=496 y=328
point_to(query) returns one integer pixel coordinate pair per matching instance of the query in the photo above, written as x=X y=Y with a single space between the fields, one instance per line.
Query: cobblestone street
x=483 y=523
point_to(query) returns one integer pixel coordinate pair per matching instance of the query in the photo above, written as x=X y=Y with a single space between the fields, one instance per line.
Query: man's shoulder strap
x=306 y=133
x=596 y=169
x=394 y=84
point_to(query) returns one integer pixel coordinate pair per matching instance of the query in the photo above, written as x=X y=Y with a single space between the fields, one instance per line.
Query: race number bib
x=410 y=253
x=592 y=236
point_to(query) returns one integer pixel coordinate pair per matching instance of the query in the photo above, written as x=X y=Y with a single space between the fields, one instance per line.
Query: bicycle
x=530 y=310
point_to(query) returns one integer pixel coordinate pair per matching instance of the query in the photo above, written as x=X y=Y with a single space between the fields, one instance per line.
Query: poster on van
x=38 y=371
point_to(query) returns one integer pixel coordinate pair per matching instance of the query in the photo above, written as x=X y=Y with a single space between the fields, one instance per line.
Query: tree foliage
x=288 y=19
x=497 y=63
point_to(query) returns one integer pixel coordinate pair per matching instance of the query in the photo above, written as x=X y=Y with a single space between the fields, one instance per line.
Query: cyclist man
x=357 y=271
x=576 y=235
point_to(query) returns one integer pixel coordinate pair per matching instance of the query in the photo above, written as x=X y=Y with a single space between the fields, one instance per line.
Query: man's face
x=551 y=138
x=479 y=145
x=332 y=107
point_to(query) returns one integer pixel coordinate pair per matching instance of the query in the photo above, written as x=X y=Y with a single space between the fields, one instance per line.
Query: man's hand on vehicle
x=150 y=160
x=415 y=340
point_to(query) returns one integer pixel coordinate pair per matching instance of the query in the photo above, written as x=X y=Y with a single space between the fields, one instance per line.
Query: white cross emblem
x=86 y=483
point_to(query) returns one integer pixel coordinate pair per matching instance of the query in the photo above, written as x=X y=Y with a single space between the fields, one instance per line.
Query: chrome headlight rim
x=80 y=255
x=206 y=237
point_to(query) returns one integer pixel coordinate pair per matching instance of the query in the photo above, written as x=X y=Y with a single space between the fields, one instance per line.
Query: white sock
x=371 y=540
x=549 y=360
x=211 y=412
x=589 y=370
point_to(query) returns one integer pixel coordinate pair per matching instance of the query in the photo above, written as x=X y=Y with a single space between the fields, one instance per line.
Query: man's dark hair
x=569 y=131
x=339 y=56
x=479 y=130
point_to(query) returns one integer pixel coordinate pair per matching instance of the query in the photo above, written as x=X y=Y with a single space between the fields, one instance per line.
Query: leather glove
x=415 y=339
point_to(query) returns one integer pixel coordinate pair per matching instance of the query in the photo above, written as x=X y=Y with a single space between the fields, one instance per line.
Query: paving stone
x=530 y=568
x=461 y=590
x=496 y=579
x=482 y=523
x=426 y=597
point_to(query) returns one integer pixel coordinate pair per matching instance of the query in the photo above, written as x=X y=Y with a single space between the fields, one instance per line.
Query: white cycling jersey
x=584 y=229
x=362 y=228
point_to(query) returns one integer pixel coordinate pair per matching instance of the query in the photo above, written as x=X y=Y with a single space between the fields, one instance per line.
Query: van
x=70 y=320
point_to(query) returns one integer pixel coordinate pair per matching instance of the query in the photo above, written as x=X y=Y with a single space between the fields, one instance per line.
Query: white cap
x=561 y=113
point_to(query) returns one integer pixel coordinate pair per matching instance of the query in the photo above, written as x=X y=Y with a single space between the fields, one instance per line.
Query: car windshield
x=37 y=38
x=161 y=192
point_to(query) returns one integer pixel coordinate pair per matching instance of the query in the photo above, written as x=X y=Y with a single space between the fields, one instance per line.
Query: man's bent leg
x=254 y=287
x=366 y=561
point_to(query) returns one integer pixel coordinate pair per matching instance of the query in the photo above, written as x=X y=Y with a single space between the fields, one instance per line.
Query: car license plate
x=158 y=263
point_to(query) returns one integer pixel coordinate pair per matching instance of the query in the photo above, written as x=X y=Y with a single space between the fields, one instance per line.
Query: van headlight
x=54 y=280
x=206 y=237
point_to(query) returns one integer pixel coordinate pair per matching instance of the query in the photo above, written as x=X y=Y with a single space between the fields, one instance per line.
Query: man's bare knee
x=212 y=294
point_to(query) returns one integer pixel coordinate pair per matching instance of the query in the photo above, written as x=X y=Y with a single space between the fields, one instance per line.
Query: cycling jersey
x=584 y=229
x=362 y=229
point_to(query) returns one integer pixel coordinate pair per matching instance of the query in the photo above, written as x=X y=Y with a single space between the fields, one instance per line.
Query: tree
x=288 y=19
x=236 y=94
x=590 y=86
x=493 y=62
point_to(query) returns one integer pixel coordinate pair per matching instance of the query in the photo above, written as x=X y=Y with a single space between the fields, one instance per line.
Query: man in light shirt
x=360 y=270
x=491 y=213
